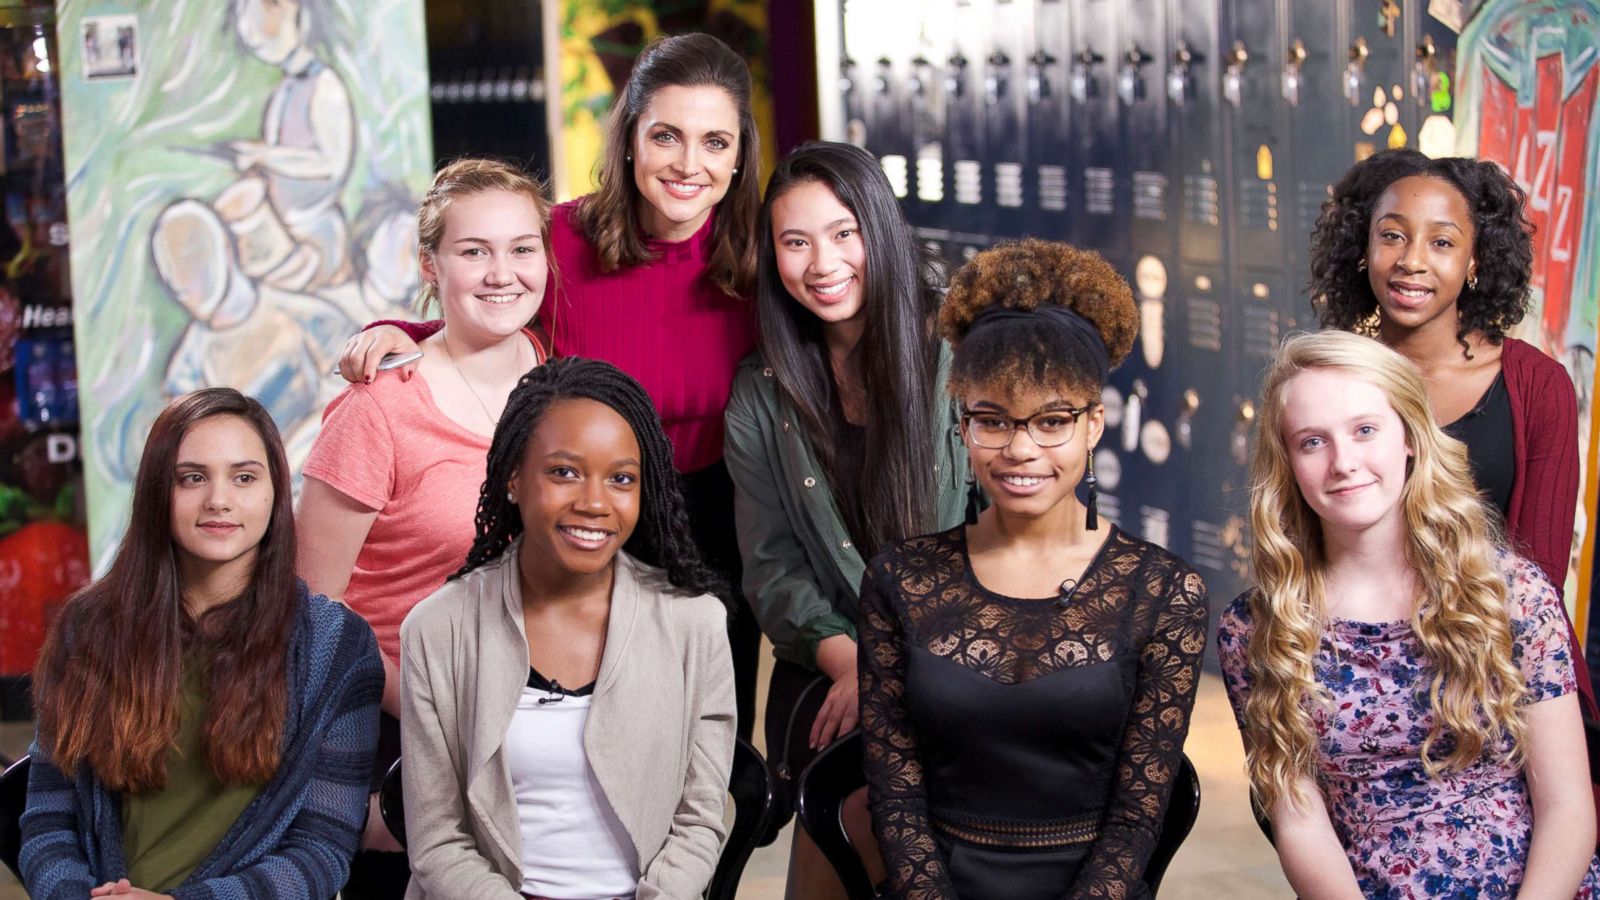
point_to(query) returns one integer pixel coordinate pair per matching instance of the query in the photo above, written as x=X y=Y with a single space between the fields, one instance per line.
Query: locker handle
x=1422 y=72
x=1129 y=86
x=1082 y=83
x=1038 y=82
x=994 y=82
x=1238 y=55
x=1294 y=58
x=847 y=79
x=954 y=80
x=1296 y=55
x=1185 y=56
x=1233 y=78
x=1178 y=75
x=1358 y=54
x=1359 y=51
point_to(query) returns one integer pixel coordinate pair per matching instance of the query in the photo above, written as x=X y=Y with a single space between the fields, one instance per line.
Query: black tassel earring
x=1093 y=519
x=974 y=495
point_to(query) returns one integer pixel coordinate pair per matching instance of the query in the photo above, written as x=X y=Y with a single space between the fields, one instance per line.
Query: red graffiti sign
x=1545 y=147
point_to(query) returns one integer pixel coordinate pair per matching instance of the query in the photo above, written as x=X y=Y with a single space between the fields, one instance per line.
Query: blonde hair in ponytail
x=464 y=178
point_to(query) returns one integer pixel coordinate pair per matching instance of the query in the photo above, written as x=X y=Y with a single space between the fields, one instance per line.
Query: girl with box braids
x=663 y=540
x=584 y=619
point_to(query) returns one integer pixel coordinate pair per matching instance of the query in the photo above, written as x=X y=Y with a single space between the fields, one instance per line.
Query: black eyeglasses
x=1050 y=428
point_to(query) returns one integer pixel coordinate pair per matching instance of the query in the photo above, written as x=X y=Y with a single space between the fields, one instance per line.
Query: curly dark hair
x=662 y=538
x=1502 y=243
x=1025 y=275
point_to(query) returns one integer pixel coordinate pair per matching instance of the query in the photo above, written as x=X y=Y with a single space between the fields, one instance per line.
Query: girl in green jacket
x=840 y=439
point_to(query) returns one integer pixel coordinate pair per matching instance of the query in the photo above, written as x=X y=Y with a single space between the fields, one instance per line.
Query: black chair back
x=836 y=773
x=754 y=807
x=392 y=803
x=13 y=799
x=832 y=776
x=1182 y=810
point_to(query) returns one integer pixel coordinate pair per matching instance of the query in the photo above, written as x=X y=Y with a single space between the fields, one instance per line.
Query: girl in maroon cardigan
x=653 y=273
x=1433 y=257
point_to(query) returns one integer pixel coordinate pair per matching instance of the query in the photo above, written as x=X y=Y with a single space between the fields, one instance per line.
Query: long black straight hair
x=899 y=351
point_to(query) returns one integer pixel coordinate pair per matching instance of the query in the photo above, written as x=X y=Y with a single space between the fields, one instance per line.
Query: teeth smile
x=1413 y=292
x=680 y=186
x=585 y=534
x=832 y=290
x=499 y=298
x=1022 y=480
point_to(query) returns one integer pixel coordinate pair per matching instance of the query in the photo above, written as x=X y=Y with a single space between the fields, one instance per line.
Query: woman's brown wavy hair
x=609 y=218
x=106 y=687
x=1460 y=619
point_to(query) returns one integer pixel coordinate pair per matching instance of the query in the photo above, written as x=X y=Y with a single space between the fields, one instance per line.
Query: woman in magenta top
x=652 y=273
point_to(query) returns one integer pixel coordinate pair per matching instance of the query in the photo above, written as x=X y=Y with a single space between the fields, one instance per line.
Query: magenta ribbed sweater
x=664 y=323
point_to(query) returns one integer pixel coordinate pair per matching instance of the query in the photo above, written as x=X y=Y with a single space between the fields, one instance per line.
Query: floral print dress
x=1409 y=835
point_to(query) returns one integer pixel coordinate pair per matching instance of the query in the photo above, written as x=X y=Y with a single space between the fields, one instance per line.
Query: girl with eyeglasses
x=1027 y=679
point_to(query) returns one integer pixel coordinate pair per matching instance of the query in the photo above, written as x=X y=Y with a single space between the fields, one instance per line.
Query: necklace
x=494 y=419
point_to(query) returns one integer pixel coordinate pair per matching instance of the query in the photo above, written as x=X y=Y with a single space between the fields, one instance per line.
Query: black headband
x=1076 y=327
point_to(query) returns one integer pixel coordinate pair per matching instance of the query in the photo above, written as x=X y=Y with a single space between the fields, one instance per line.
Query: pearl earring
x=511 y=498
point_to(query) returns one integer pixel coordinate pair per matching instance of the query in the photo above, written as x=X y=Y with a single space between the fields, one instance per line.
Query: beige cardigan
x=659 y=736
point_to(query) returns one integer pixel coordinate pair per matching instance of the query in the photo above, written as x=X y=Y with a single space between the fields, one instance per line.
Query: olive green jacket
x=802 y=573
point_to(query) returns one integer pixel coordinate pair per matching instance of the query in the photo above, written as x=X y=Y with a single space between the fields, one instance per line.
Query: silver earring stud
x=510 y=497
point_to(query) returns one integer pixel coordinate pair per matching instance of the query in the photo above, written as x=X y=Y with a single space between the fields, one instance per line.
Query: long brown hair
x=106 y=688
x=609 y=218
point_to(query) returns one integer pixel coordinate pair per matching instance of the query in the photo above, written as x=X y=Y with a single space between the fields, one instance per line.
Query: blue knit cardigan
x=294 y=840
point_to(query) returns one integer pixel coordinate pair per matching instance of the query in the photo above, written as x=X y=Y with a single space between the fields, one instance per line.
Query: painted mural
x=242 y=178
x=600 y=40
x=1529 y=75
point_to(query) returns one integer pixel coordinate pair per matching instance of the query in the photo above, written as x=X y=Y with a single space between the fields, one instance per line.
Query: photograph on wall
x=111 y=47
x=239 y=207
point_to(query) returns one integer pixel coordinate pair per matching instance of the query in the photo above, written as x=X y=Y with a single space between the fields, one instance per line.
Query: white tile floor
x=1225 y=856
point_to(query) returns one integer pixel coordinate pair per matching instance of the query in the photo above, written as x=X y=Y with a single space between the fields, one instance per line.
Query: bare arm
x=331 y=529
x=1563 y=809
x=1308 y=849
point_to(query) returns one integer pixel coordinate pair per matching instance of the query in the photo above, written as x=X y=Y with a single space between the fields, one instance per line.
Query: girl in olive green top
x=205 y=725
x=840 y=439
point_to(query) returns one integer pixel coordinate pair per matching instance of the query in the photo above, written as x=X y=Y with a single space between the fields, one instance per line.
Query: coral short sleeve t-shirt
x=387 y=446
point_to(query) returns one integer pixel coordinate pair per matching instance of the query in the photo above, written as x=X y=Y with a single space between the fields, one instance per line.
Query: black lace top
x=988 y=717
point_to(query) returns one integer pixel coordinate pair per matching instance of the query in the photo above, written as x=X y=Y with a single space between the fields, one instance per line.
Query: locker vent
x=969 y=182
x=1053 y=188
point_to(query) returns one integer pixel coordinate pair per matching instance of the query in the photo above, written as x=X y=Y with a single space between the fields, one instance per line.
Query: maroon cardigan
x=1544 y=496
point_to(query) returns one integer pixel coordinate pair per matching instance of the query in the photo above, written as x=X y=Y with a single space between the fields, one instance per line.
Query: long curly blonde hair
x=1460 y=620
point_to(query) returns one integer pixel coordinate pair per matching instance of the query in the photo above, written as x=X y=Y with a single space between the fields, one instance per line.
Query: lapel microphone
x=1067 y=589
x=555 y=693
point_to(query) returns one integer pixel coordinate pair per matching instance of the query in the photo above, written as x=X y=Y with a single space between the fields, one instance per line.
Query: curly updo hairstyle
x=662 y=538
x=1502 y=243
x=1019 y=355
